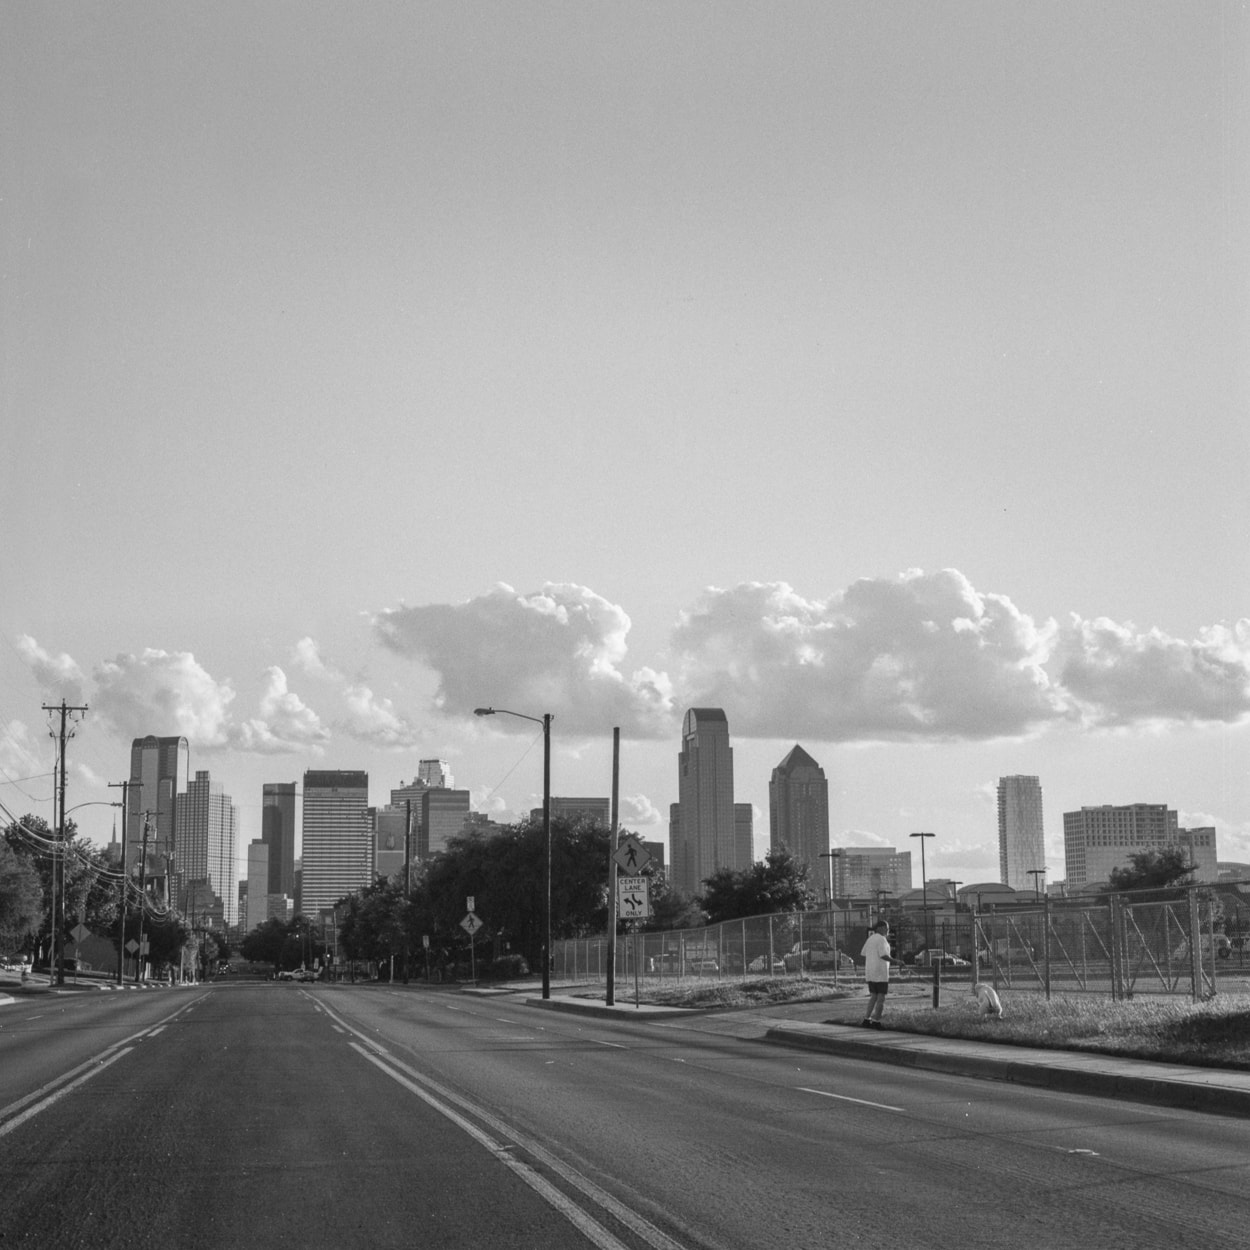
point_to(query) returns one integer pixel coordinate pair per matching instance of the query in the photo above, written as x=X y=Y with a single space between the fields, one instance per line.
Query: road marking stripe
x=615 y=1045
x=863 y=1102
x=593 y=1231
x=10 y=1125
x=636 y=1223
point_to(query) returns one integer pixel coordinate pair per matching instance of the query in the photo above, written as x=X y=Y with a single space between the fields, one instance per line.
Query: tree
x=1153 y=870
x=263 y=945
x=21 y=899
x=778 y=883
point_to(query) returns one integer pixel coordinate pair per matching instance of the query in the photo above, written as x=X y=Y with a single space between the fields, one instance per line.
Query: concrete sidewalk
x=832 y=1027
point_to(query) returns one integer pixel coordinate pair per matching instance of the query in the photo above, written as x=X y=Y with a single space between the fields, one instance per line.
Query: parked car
x=760 y=964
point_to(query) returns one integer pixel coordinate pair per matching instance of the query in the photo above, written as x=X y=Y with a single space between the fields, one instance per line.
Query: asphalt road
x=283 y=1115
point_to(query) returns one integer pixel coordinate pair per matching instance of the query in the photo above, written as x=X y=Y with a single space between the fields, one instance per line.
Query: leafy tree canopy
x=775 y=884
x=1153 y=870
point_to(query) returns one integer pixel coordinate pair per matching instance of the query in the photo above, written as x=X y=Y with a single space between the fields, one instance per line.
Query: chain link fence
x=1119 y=946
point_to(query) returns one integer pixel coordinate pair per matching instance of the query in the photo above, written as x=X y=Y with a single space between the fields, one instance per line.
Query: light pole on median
x=924 y=887
x=545 y=722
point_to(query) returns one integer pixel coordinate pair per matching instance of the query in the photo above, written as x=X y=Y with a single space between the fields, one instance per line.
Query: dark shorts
x=878 y=987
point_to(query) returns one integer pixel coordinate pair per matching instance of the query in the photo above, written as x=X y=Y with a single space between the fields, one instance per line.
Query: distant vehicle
x=927 y=959
x=818 y=956
x=702 y=967
x=760 y=964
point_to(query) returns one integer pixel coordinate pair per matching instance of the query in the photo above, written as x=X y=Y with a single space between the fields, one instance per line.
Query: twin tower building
x=709 y=832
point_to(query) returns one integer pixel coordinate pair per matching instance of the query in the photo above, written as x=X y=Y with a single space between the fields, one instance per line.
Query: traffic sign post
x=471 y=924
x=633 y=899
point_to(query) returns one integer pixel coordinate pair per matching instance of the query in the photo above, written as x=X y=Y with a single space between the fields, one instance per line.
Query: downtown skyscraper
x=207 y=828
x=159 y=772
x=277 y=831
x=1021 y=845
x=706 y=834
x=798 y=811
x=336 y=855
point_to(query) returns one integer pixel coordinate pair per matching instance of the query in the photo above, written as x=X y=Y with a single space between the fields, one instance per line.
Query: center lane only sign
x=632 y=901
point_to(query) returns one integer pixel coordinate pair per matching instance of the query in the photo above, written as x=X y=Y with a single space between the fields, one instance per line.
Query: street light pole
x=1035 y=873
x=924 y=887
x=545 y=722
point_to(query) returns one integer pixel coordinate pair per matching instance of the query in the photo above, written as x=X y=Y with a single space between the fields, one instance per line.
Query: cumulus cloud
x=374 y=720
x=560 y=650
x=285 y=722
x=1119 y=676
x=637 y=809
x=919 y=656
x=306 y=654
x=59 y=675
x=20 y=757
x=166 y=693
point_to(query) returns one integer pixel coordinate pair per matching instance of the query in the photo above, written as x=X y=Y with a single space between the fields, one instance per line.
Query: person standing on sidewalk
x=877 y=961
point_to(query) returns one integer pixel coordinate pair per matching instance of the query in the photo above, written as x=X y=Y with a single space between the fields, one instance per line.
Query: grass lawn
x=1166 y=1030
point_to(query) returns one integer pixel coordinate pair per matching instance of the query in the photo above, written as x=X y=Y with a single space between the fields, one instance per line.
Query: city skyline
x=874 y=374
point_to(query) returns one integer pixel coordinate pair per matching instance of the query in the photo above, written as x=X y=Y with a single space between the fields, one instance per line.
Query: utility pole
x=124 y=786
x=143 y=893
x=407 y=880
x=58 y=860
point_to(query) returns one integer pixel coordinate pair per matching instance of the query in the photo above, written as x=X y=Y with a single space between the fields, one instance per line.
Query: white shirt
x=876 y=955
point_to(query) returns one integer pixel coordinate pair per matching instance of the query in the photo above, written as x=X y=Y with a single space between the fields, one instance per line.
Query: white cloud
x=164 y=693
x=559 y=651
x=59 y=675
x=921 y=656
x=306 y=654
x=1119 y=676
x=637 y=809
x=20 y=761
x=374 y=720
x=285 y=723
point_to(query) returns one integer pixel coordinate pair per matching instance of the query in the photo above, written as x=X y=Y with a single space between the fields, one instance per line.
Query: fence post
x=937 y=983
x=1195 y=947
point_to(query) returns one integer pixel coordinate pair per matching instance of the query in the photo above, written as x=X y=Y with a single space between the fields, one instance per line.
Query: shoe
x=865 y=1023
x=875 y=1024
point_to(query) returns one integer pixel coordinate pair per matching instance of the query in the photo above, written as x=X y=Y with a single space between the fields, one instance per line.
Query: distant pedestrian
x=877 y=961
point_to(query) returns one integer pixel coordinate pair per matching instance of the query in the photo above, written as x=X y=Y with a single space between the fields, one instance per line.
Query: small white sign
x=633 y=902
x=469 y=903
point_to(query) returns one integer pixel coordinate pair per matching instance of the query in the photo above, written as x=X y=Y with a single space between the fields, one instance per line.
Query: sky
x=877 y=373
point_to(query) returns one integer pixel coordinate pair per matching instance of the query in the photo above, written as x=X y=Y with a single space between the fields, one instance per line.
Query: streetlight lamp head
x=483 y=711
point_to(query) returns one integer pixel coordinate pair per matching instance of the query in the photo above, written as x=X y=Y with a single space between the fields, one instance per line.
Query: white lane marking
x=615 y=1045
x=863 y=1102
x=505 y=1020
x=591 y=1229
x=43 y=1105
x=160 y=1028
x=631 y=1219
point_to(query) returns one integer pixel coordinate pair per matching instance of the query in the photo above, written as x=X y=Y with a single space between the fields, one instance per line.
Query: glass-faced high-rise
x=277 y=831
x=1021 y=845
x=159 y=771
x=798 y=811
x=207 y=827
x=704 y=839
x=336 y=855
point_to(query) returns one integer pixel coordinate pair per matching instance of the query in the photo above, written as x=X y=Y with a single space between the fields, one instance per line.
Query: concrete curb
x=589 y=1007
x=1195 y=1089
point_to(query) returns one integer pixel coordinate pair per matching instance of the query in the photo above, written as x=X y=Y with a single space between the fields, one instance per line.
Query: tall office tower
x=1099 y=839
x=257 y=884
x=798 y=812
x=870 y=872
x=392 y=840
x=443 y=816
x=436 y=774
x=744 y=834
x=1021 y=845
x=207 y=823
x=159 y=769
x=277 y=831
x=707 y=833
x=336 y=855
